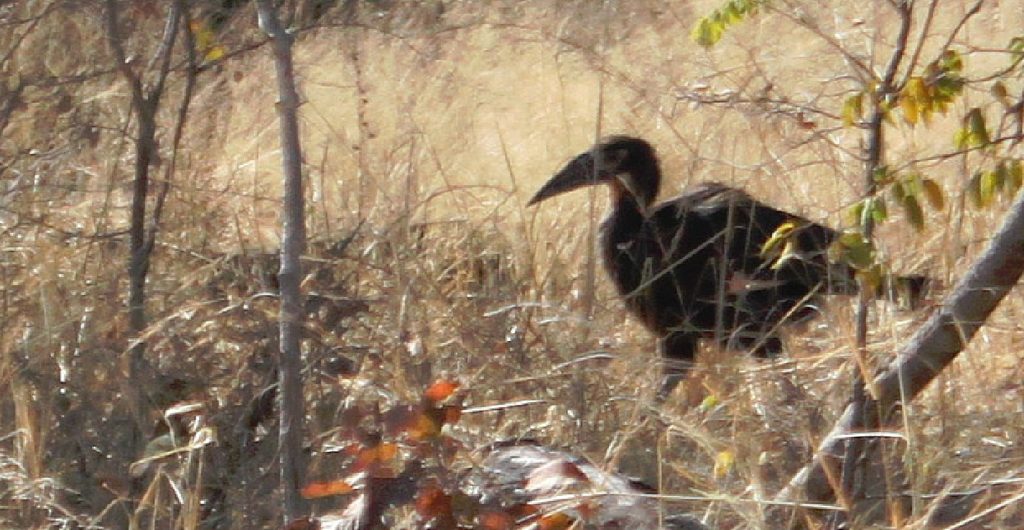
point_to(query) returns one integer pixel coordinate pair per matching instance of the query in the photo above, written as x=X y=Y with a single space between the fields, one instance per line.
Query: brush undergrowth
x=425 y=267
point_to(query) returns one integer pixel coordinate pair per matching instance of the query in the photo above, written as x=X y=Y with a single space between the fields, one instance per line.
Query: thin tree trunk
x=145 y=103
x=292 y=245
x=933 y=347
x=848 y=490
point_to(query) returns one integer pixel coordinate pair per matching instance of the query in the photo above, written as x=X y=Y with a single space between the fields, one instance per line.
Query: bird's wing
x=745 y=230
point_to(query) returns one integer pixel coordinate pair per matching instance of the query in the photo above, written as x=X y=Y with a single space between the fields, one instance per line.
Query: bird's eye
x=613 y=158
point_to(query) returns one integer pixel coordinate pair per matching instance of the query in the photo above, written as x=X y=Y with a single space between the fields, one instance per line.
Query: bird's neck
x=639 y=195
x=625 y=205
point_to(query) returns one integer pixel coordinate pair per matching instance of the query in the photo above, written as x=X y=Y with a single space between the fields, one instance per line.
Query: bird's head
x=628 y=164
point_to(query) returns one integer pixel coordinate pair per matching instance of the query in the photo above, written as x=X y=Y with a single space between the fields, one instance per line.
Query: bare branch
x=179 y=127
x=163 y=52
x=116 y=42
x=293 y=242
x=935 y=345
x=922 y=35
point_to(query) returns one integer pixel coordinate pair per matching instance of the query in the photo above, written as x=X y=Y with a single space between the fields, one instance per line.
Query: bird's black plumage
x=695 y=267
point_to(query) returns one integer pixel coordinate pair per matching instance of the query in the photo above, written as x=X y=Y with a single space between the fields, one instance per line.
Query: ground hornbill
x=697 y=266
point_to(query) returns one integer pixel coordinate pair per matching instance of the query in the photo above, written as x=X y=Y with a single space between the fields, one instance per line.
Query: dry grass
x=424 y=135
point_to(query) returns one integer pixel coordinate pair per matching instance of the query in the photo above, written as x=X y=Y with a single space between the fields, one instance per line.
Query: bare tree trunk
x=292 y=245
x=848 y=491
x=145 y=103
x=934 y=346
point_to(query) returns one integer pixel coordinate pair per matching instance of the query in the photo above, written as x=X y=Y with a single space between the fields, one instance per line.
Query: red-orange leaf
x=381 y=454
x=316 y=490
x=555 y=521
x=452 y=414
x=398 y=419
x=440 y=391
x=424 y=426
x=433 y=502
x=495 y=521
x=304 y=523
x=555 y=475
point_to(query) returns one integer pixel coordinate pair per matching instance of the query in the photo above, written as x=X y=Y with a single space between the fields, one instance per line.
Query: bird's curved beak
x=576 y=174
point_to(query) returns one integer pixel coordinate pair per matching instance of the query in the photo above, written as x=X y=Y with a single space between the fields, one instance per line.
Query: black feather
x=695 y=267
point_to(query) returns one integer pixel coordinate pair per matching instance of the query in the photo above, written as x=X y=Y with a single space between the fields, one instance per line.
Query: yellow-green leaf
x=911 y=108
x=780 y=235
x=1014 y=177
x=869 y=280
x=788 y=251
x=724 y=462
x=912 y=184
x=707 y=32
x=976 y=128
x=1016 y=48
x=214 y=53
x=709 y=403
x=853 y=109
x=962 y=138
x=916 y=89
x=989 y=184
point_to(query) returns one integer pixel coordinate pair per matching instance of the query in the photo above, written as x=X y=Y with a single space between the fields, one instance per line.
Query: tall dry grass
x=425 y=131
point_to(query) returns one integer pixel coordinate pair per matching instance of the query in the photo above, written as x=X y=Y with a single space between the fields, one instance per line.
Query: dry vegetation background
x=427 y=125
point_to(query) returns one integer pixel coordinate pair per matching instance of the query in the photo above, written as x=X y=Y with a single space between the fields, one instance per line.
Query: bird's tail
x=908 y=291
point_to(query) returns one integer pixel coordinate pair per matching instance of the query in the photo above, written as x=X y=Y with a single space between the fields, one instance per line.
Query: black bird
x=712 y=263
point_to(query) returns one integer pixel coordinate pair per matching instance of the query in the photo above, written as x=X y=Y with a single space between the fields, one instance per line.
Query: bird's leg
x=678 y=351
x=767 y=347
x=760 y=345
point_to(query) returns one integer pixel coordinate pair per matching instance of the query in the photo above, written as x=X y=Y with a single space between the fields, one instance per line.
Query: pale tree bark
x=933 y=347
x=292 y=245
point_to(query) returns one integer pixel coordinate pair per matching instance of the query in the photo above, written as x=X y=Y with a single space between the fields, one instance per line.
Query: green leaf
x=855 y=213
x=898 y=192
x=879 y=211
x=851 y=247
x=873 y=208
x=912 y=184
x=913 y=211
x=951 y=61
x=1016 y=48
x=882 y=175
